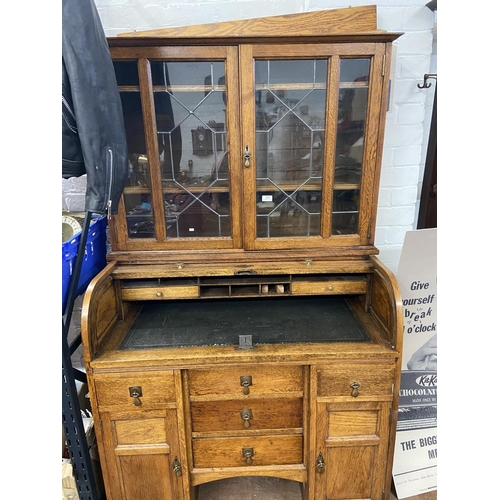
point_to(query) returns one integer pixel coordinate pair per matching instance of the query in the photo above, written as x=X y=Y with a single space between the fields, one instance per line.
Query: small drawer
x=245 y=380
x=247 y=452
x=320 y=287
x=137 y=390
x=356 y=381
x=159 y=293
x=254 y=414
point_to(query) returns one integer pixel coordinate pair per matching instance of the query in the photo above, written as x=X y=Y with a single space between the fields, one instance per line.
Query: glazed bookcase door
x=310 y=120
x=179 y=118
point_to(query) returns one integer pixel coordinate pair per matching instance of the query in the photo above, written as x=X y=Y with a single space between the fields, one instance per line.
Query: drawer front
x=328 y=287
x=231 y=381
x=253 y=414
x=159 y=293
x=230 y=452
x=356 y=381
x=137 y=390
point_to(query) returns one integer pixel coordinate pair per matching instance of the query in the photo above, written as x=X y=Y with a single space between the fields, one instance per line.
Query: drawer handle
x=136 y=392
x=248 y=454
x=159 y=294
x=355 y=386
x=320 y=464
x=246 y=382
x=246 y=415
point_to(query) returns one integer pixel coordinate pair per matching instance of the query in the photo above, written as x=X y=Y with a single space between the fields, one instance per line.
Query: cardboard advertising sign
x=415 y=457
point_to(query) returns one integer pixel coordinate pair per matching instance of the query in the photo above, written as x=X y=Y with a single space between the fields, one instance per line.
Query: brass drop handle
x=246 y=382
x=355 y=386
x=177 y=467
x=320 y=464
x=136 y=392
x=247 y=155
x=248 y=454
x=246 y=415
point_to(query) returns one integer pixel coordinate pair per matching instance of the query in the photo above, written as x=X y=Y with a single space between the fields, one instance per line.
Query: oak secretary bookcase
x=243 y=325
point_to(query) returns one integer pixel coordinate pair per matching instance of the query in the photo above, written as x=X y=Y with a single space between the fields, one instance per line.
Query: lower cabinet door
x=352 y=447
x=141 y=455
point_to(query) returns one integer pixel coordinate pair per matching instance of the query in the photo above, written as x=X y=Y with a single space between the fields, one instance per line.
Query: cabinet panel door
x=179 y=118
x=353 y=440
x=140 y=451
x=350 y=472
x=310 y=132
x=144 y=477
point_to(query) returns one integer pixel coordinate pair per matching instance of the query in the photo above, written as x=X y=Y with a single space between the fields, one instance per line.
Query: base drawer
x=254 y=414
x=247 y=451
x=135 y=390
x=356 y=381
x=246 y=380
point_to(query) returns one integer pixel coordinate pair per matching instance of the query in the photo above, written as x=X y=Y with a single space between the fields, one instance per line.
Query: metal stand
x=72 y=420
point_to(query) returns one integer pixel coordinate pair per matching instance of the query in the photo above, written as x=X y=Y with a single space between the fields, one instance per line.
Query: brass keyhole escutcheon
x=248 y=454
x=320 y=464
x=247 y=155
x=136 y=392
x=355 y=386
x=246 y=382
x=176 y=466
x=246 y=415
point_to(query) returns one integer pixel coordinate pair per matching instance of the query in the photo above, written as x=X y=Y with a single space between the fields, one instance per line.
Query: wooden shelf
x=260 y=86
x=198 y=188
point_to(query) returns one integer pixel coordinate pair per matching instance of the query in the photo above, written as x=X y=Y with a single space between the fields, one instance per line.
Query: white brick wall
x=408 y=121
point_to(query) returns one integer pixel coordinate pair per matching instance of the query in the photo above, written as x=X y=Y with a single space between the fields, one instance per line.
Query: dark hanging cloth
x=93 y=132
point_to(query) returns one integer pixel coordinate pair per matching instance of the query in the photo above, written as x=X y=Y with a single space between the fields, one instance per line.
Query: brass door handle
x=320 y=464
x=355 y=386
x=246 y=415
x=176 y=466
x=247 y=155
x=136 y=392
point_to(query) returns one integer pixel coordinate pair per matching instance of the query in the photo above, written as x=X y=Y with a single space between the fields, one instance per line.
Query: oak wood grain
x=326 y=22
